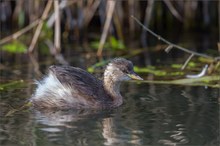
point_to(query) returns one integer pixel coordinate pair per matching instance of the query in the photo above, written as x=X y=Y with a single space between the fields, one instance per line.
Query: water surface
x=151 y=115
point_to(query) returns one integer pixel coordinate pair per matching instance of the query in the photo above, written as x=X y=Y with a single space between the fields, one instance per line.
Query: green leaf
x=192 y=64
x=116 y=44
x=12 y=84
x=150 y=70
x=178 y=73
x=210 y=81
x=112 y=44
x=90 y=69
x=176 y=66
x=46 y=32
x=95 y=45
x=205 y=79
x=15 y=47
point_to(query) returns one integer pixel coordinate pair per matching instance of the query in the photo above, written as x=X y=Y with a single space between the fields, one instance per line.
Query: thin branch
x=63 y=4
x=57 y=39
x=90 y=12
x=147 y=19
x=173 y=10
x=39 y=27
x=58 y=56
x=169 y=48
x=35 y=64
x=187 y=61
x=118 y=26
x=20 y=32
x=110 y=11
x=169 y=43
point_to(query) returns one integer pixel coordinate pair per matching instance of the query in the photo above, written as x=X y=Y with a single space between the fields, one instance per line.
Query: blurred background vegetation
x=74 y=29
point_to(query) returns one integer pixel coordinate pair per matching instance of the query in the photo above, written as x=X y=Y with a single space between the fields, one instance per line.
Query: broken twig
x=187 y=61
x=201 y=74
x=169 y=43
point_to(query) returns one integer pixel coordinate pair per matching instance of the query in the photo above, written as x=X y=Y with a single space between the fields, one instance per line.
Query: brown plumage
x=71 y=87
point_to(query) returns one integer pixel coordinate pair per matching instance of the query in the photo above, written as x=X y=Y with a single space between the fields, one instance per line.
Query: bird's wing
x=83 y=83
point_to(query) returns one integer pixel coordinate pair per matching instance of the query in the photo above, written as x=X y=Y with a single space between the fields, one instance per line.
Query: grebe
x=68 y=87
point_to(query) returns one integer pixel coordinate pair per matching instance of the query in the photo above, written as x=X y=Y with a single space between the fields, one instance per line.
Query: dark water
x=151 y=115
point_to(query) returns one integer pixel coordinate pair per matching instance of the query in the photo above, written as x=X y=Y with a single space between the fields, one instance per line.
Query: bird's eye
x=125 y=71
x=130 y=68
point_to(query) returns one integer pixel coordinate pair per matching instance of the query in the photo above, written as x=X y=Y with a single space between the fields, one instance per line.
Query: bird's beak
x=134 y=76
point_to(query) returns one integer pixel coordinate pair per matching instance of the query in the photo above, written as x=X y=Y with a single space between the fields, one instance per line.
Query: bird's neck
x=112 y=87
